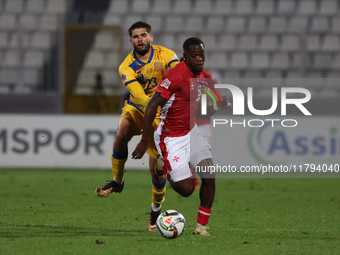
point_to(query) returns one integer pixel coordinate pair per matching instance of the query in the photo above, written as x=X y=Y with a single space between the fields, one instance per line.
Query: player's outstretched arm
x=149 y=116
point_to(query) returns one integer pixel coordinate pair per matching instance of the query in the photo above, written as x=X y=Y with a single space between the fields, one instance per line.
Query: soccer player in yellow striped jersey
x=140 y=72
x=142 y=76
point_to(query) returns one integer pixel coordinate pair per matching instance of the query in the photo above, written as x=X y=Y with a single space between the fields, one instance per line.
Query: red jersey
x=199 y=120
x=177 y=115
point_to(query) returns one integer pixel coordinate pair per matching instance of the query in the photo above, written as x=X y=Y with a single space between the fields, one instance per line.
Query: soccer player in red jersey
x=179 y=99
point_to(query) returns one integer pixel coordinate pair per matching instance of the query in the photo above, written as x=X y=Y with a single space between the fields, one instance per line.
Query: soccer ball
x=170 y=224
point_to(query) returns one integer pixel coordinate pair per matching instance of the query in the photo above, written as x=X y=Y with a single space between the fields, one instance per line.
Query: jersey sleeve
x=169 y=85
x=128 y=77
x=171 y=58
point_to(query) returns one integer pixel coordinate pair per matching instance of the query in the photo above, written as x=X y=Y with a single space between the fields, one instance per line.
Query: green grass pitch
x=57 y=212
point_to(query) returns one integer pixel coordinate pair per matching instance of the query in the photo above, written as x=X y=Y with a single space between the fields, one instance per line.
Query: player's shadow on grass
x=28 y=230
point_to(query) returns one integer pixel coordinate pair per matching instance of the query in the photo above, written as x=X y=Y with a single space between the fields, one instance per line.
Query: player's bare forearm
x=149 y=116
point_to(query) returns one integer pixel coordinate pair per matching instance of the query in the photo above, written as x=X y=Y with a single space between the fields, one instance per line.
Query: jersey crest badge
x=124 y=77
x=157 y=65
x=166 y=83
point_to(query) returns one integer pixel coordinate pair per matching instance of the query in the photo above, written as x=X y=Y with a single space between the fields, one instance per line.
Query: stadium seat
x=322 y=61
x=265 y=7
x=277 y=24
x=236 y=24
x=253 y=79
x=28 y=22
x=231 y=77
x=112 y=19
x=280 y=61
x=273 y=74
x=182 y=7
x=293 y=79
x=227 y=42
x=7 y=21
x=14 y=42
x=329 y=7
x=140 y=6
x=129 y=20
x=41 y=40
x=94 y=59
x=3 y=40
x=248 y=42
x=332 y=80
x=257 y=24
x=56 y=6
x=244 y=7
x=193 y=24
x=48 y=22
x=239 y=61
x=215 y=24
x=209 y=41
x=35 y=6
x=168 y=40
x=218 y=61
x=110 y=78
x=319 y=24
x=273 y=79
x=336 y=25
x=86 y=77
x=269 y=42
x=105 y=40
x=34 y=58
x=307 y=7
x=181 y=39
x=286 y=7
x=83 y=91
x=161 y=7
x=314 y=80
x=331 y=43
x=155 y=23
x=297 y=61
x=290 y=43
x=222 y=7
x=313 y=43
x=8 y=76
x=259 y=61
x=13 y=6
x=10 y=58
x=118 y=7
x=298 y=24
x=31 y=77
x=203 y=7
x=173 y=23
x=113 y=60
x=336 y=62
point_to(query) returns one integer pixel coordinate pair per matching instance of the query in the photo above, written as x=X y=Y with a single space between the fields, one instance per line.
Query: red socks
x=203 y=215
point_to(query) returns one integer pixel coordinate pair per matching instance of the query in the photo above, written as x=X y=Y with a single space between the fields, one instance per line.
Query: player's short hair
x=191 y=41
x=139 y=24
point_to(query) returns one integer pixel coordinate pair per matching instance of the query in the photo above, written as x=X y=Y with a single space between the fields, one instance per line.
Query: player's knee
x=122 y=138
x=187 y=192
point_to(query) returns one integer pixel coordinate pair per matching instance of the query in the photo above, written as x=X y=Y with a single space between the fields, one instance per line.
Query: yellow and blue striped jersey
x=141 y=78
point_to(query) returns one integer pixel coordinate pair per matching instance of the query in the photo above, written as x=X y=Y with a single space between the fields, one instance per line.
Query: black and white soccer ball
x=170 y=224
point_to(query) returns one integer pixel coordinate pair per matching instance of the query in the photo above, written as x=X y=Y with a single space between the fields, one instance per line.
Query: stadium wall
x=85 y=141
x=61 y=141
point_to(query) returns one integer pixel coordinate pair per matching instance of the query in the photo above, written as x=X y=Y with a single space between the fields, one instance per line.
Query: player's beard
x=142 y=52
